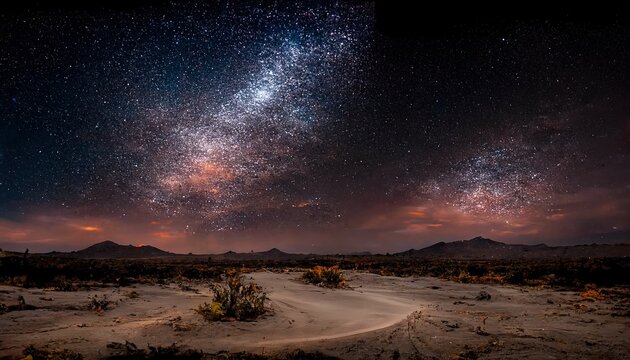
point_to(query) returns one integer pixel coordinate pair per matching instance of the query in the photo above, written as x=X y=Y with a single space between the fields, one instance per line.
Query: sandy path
x=319 y=314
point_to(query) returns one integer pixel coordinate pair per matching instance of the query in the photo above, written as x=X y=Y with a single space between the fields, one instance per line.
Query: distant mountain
x=359 y=253
x=272 y=254
x=111 y=250
x=482 y=248
x=476 y=248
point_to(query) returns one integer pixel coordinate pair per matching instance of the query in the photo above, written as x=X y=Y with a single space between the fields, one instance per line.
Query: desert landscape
x=480 y=313
x=314 y=179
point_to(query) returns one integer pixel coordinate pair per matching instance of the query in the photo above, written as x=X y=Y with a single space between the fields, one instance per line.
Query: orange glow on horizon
x=418 y=213
x=14 y=234
x=90 y=228
x=166 y=235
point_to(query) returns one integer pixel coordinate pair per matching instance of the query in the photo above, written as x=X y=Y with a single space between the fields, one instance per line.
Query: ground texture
x=377 y=317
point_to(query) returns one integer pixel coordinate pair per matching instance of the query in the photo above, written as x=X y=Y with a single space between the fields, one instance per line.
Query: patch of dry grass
x=330 y=277
x=592 y=295
x=234 y=300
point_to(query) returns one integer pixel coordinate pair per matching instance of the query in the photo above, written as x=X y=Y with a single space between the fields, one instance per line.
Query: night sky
x=206 y=128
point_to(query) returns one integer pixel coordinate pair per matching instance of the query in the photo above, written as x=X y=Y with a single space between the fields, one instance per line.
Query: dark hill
x=271 y=254
x=482 y=248
x=111 y=250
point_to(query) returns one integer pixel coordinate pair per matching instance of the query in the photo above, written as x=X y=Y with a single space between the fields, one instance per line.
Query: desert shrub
x=330 y=277
x=31 y=352
x=234 y=300
x=98 y=304
x=302 y=355
x=130 y=351
x=60 y=283
x=19 y=281
x=292 y=355
x=464 y=277
x=592 y=295
x=186 y=287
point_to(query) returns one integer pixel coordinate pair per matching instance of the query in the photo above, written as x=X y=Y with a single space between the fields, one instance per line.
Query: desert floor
x=378 y=318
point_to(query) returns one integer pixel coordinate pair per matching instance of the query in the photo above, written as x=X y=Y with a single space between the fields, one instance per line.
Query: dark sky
x=228 y=126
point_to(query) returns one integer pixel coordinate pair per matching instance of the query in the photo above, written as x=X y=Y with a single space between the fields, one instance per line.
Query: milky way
x=184 y=121
x=221 y=157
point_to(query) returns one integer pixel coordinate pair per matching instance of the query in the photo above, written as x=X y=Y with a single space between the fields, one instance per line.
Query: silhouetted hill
x=482 y=248
x=476 y=248
x=359 y=253
x=271 y=254
x=111 y=250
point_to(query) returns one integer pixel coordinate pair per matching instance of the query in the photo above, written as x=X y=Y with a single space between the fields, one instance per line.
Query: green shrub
x=234 y=300
x=330 y=277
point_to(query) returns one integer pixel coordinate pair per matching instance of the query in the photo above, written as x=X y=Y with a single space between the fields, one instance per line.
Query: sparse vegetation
x=99 y=304
x=33 y=353
x=330 y=277
x=70 y=274
x=129 y=351
x=234 y=300
x=592 y=295
x=21 y=306
x=185 y=286
x=60 y=283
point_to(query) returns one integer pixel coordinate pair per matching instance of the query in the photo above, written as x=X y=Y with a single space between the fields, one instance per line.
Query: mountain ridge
x=484 y=248
x=475 y=248
x=110 y=249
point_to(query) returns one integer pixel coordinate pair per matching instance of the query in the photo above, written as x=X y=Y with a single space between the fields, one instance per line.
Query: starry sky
x=207 y=127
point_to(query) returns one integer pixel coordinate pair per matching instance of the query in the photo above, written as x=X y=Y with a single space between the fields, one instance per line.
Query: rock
x=483 y=296
x=481 y=331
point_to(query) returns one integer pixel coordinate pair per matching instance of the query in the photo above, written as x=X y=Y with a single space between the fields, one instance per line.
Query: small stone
x=483 y=296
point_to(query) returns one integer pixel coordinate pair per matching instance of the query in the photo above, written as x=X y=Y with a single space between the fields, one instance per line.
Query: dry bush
x=60 y=283
x=592 y=294
x=234 y=300
x=129 y=351
x=330 y=277
x=99 y=304
x=291 y=355
x=31 y=352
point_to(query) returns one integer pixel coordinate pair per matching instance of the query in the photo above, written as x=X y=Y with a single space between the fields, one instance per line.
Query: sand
x=379 y=317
